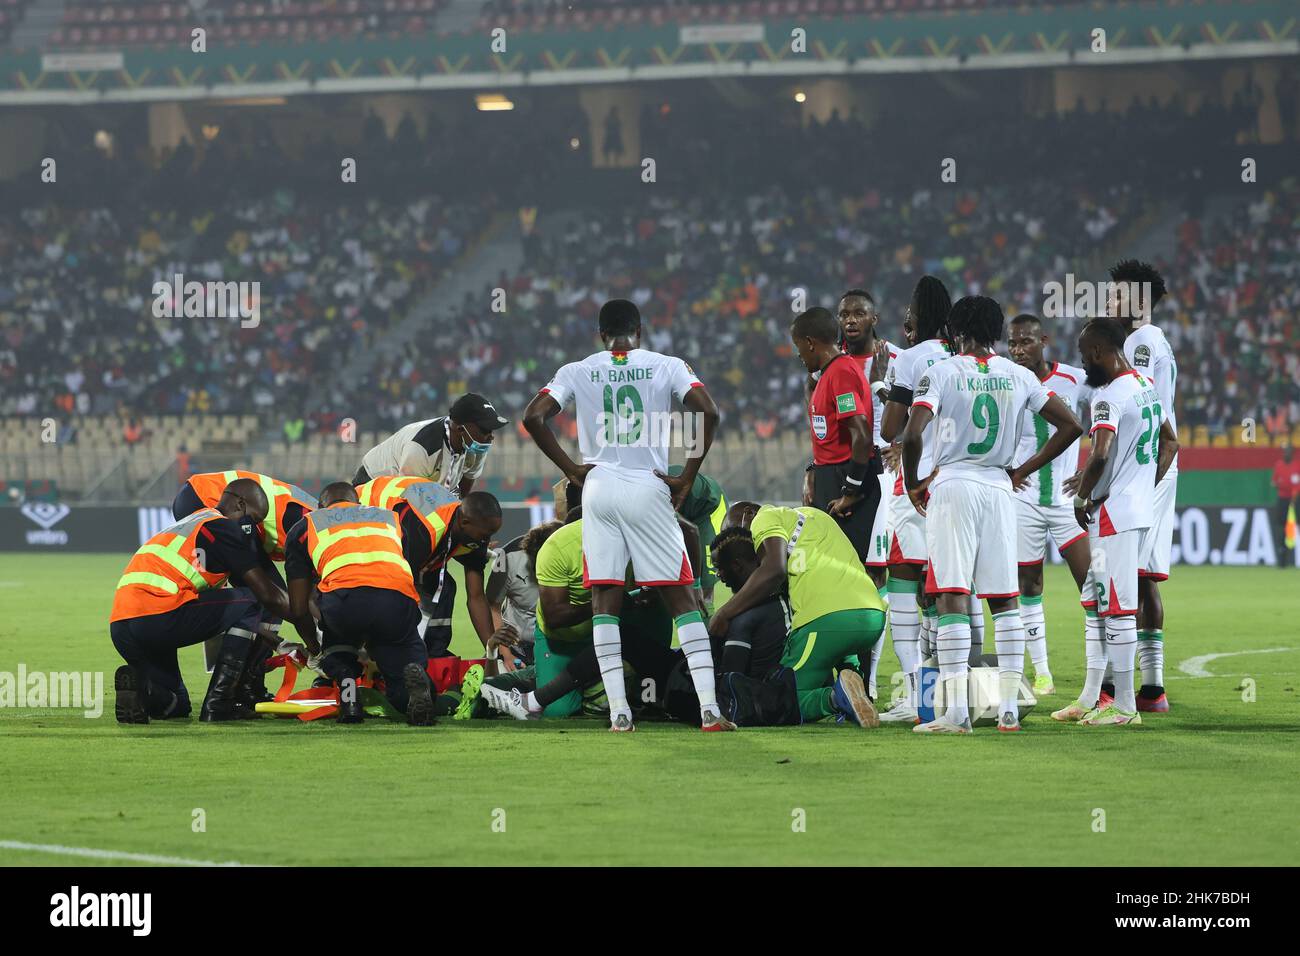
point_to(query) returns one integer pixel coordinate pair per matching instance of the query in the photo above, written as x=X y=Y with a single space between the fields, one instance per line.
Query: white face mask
x=473 y=447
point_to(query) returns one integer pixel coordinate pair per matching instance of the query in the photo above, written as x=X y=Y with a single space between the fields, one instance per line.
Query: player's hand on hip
x=579 y=474
x=1018 y=480
x=678 y=487
x=1071 y=485
x=921 y=493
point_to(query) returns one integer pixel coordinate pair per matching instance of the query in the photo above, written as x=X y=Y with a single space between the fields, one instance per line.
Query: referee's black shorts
x=828 y=482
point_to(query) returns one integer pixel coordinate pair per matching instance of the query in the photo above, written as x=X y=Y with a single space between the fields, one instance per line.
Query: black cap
x=472 y=408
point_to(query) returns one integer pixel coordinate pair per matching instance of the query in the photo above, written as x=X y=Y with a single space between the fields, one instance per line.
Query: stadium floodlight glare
x=492 y=102
x=800 y=96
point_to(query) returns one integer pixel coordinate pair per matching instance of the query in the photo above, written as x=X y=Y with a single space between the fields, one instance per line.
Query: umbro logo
x=45 y=514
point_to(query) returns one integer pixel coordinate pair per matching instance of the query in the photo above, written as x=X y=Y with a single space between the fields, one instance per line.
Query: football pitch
x=1211 y=783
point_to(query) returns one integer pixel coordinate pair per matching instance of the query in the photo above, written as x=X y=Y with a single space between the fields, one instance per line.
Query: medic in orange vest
x=289 y=504
x=436 y=528
x=352 y=555
x=172 y=595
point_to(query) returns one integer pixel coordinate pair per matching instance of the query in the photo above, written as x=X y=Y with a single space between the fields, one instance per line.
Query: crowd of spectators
x=747 y=220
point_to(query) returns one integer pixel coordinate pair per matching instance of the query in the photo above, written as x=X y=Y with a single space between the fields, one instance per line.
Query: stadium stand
x=116 y=23
x=77 y=343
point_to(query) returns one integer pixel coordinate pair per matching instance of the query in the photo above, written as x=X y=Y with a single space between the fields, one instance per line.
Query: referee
x=845 y=466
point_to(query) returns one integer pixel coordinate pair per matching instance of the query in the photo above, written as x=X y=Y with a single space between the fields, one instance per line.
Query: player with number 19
x=976 y=400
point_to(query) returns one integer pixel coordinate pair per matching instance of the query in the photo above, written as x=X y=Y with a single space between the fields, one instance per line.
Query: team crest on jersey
x=1101 y=412
x=923 y=386
x=620 y=358
x=1142 y=356
x=819 y=426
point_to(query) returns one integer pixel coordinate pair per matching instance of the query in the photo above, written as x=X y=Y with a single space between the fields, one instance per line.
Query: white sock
x=1121 y=648
x=1009 y=639
x=1031 y=612
x=928 y=632
x=953 y=647
x=1151 y=657
x=1094 y=642
x=874 y=667
x=903 y=628
x=609 y=656
x=976 y=628
x=693 y=637
x=530 y=702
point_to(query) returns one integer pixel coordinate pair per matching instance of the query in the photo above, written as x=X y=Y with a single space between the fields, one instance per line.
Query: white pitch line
x=1195 y=666
x=94 y=854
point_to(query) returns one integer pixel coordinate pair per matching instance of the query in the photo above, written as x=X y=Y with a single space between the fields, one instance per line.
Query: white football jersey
x=1129 y=406
x=623 y=402
x=978 y=404
x=1044 y=487
x=905 y=369
x=1150 y=354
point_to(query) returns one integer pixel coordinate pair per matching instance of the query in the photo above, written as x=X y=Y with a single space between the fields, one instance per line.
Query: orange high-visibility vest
x=356 y=546
x=279 y=495
x=435 y=506
x=167 y=571
x=387 y=491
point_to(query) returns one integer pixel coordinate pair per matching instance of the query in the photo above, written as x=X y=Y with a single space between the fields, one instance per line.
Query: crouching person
x=172 y=595
x=352 y=554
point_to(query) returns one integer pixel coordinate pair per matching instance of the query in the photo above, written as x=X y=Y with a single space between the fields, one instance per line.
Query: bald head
x=337 y=491
x=242 y=498
x=740 y=514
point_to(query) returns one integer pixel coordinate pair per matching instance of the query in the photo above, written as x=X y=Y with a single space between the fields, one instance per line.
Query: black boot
x=225 y=699
x=350 y=710
x=132 y=693
x=419 y=705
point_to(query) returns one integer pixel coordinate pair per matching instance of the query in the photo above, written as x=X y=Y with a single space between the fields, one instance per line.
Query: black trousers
x=385 y=623
x=828 y=480
x=150 y=643
x=439 y=604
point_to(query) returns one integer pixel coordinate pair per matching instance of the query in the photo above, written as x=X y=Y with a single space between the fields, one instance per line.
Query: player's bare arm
x=767 y=580
x=537 y=417
x=1068 y=429
x=894 y=417
x=1102 y=442
x=861 y=446
x=700 y=403
x=911 y=453
x=476 y=602
x=1168 y=449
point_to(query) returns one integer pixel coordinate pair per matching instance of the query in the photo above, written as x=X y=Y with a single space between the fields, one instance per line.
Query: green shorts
x=815 y=650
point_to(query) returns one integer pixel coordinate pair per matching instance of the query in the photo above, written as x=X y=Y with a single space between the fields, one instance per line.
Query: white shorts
x=1112 y=583
x=1035 y=522
x=971 y=532
x=878 y=553
x=1160 y=538
x=906 y=532
x=625 y=520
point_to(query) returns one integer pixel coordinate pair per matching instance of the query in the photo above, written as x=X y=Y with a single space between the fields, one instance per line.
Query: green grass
x=1211 y=783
